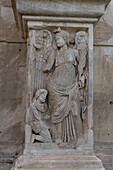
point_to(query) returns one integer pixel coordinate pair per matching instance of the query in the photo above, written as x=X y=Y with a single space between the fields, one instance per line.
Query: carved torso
x=65 y=71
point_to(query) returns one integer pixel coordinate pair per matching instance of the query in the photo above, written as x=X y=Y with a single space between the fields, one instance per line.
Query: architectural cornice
x=88 y=11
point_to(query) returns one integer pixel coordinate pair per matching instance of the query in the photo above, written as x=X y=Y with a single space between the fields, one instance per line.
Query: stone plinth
x=40 y=156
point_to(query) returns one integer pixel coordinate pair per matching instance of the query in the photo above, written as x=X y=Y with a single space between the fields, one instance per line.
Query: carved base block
x=50 y=157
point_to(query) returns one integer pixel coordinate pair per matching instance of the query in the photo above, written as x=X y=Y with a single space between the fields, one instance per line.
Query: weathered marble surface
x=8 y=29
x=59 y=159
x=6 y=3
x=81 y=11
x=12 y=100
x=39 y=109
x=104 y=151
x=12 y=82
x=35 y=82
x=10 y=33
x=73 y=8
x=103 y=94
x=103 y=30
x=11 y=36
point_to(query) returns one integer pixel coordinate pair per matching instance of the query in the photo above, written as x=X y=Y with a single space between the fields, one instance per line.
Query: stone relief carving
x=42 y=48
x=81 y=41
x=63 y=73
x=39 y=110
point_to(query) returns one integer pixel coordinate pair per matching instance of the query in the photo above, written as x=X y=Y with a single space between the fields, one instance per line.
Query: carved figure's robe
x=63 y=96
x=38 y=124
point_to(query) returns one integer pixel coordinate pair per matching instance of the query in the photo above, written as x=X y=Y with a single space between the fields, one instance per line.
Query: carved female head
x=61 y=37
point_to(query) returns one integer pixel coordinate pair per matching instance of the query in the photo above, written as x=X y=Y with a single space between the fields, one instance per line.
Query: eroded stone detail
x=42 y=46
x=81 y=41
x=61 y=70
x=39 y=110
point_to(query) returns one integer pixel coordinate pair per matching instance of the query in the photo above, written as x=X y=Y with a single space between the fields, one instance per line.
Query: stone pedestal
x=43 y=156
x=35 y=17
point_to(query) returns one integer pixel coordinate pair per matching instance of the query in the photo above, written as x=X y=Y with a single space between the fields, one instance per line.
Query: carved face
x=60 y=42
x=81 y=39
x=42 y=97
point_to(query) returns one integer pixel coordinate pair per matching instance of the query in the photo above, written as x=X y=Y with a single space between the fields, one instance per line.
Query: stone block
x=7 y=14
x=6 y=3
x=6 y=160
x=103 y=33
x=8 y=31
x=103 y=30
x=59 y=159
x=103 y=94
x=104 y=151
x=80 y=10
x=12 y=96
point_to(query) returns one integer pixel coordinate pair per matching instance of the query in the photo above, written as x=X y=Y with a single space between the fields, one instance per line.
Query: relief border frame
x=42 y=25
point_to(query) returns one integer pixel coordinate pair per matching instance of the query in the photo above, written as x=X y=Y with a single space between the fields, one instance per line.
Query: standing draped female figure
x=62 y=85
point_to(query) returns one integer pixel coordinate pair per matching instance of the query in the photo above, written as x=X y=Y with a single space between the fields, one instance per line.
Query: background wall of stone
x=13 y=79
x=103 y=77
